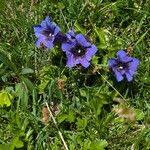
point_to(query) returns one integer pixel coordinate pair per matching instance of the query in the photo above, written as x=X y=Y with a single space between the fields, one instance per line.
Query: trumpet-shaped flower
x=123 y=66
x=46 y=33
x=78 y=50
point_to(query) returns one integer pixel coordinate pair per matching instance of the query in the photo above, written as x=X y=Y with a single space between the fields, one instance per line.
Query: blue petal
x=121 y=53
x=48 y=19
x=118 y=75
x=46 y=23
x=72 y=33
x=38 y=30
x=128 y=76
x=90 y=52
x=68 y=46
x=68 y=36
x=112 y=62
x=122 y=72
x=84 y=62
x=123 y=56
x=39 y=41
x=133 y=66
x=57 y=29
x=48 y=44
x=82 y=41
x=70 y=60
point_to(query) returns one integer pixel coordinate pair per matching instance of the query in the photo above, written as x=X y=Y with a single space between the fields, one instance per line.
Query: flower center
x=48 y=33
x=78 y=51
x=122 y=66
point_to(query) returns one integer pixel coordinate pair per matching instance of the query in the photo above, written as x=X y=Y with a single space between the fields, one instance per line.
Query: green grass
x=87 y=106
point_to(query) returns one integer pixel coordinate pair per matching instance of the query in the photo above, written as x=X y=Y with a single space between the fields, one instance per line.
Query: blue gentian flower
x=123 y=66
x=46 y=33
x=78 y=49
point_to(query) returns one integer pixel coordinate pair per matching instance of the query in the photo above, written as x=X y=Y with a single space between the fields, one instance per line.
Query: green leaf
x=139 y=114
x=79 y=28
x=61 y=118
x=21 y=91
x=82 y=92
x=102 y=39
x=16 y=143
x=68 y=117
x=27 y=71
x=5 y=147
x=42 y=85
x=32 y=90
x=60 y=5
x=30 y=86
x=98 y=145
x=5 y=60
x=5 y=98
x=95 y=60
x=86 y=144
x=81 y=123
x=98 y=101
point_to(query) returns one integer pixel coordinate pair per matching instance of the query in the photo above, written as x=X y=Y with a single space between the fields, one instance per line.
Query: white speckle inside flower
x=79 y=51
x=121 y=67
x=50 y=34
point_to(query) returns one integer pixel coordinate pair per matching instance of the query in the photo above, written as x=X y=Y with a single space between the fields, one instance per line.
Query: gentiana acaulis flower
x=46 y=33
x=78 y=49
x=124 y=66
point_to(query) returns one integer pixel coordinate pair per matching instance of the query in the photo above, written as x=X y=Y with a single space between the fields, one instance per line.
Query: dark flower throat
x=122 y=66
x=78 y=51
x=47 y=33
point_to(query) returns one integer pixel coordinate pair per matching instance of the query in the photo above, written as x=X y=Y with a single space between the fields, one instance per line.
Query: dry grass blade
x=54 y=120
